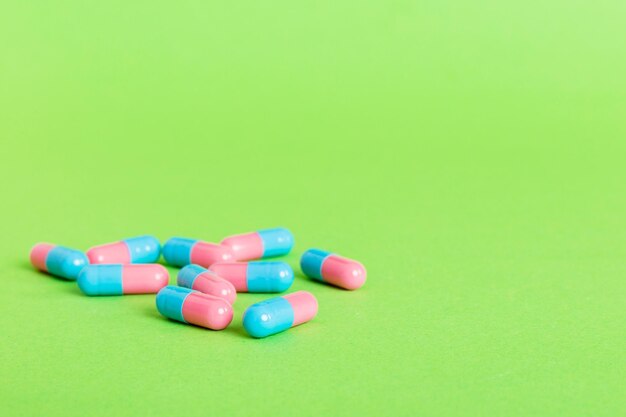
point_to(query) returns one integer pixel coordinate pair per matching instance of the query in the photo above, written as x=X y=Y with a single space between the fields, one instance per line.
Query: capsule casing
x=261 y=244
x=58 y=260
x=193 y=307
x=118 y=279
x=333 y=269
x=256 y=277
x=200 y=279
x=135 y=250
x=180 y=251
x=279 y=314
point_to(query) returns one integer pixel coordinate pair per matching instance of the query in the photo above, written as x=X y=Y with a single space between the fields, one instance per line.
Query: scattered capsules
x=180 y=251
x=135 y=250
x=262 y=244
x=256 y=277
x=58 y=260
x=334 y=269
x=279 y=314
x=118 y=279
x=193 y=307
x=199 y=279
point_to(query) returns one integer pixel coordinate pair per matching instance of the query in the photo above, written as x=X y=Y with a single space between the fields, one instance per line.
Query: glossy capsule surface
x=193 y=307
x=58 y=260
x=180 y=251
x=334 y=269
x=279 y=314
x=261 y=244
x=256 y=277
x=134 y=250
x=200 y=279
x=118 y=279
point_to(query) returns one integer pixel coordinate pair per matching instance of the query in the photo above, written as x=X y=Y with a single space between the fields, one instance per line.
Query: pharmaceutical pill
x=194 y=307
x=262 y=244
x=199 y=279
x=58 y=260
x=135 y=250
x=279 y=314
x=180 y=251
x=334 y=269
x=118 y=279
x=261 y=276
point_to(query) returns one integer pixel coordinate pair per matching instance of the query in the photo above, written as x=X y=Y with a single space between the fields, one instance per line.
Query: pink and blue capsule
x=262 y=244
x=193 y=307
x=200 y=279
x=120 y=279
x=256 y=277
x=328 y=267
x=135 y=250
x=180 y=251
x=279 y=314
x=58 y=260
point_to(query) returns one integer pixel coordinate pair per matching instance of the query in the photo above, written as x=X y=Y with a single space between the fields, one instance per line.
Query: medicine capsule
x=193 y=307
x=256 y=277
x=118 y=279
x=135 y=250
x=58 y=260
x=334 y=269
x=180 y=251
x=279 y=314
x=262 y=244
x=200 y=279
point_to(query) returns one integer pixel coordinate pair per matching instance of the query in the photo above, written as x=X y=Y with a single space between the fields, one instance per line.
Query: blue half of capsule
x=177 y=251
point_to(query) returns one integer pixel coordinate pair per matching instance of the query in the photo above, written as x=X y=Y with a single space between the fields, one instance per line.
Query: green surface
x=470 y=154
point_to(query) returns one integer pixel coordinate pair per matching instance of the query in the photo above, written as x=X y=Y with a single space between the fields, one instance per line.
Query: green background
x=470 y=154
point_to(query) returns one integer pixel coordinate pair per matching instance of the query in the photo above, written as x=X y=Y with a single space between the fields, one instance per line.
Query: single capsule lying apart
x=199 y=279
x=180 y=251
x=117 y=279
x=279 y=314
x=334 y=269
x=135 y=250
x=259 y=277
x=58 y=260
x=262 y=244
x=193 y=307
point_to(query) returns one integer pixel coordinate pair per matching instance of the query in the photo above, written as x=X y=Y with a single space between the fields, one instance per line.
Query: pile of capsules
x=210 y=278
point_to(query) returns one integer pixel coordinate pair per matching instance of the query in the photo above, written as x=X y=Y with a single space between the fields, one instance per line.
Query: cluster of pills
x=210 y=277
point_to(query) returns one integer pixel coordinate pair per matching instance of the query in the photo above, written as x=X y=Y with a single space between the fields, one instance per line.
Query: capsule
x=180 y=251
x=333 y=269
x=279 y=314
x=256 y=277
x=194 y=307
x=262 y=244
x=199 y=279
x=135 y=250
x=118 y=279
x=58 y=260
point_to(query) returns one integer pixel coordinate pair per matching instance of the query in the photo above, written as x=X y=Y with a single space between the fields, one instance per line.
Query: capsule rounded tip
x=354 y=277
x=88 y=281
x=257 y=322
x=285 y=275
x=228 y=292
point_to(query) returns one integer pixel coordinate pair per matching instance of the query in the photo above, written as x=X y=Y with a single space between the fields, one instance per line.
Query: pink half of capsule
x=206 y=254
x=245 y=246
x=235 y=272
